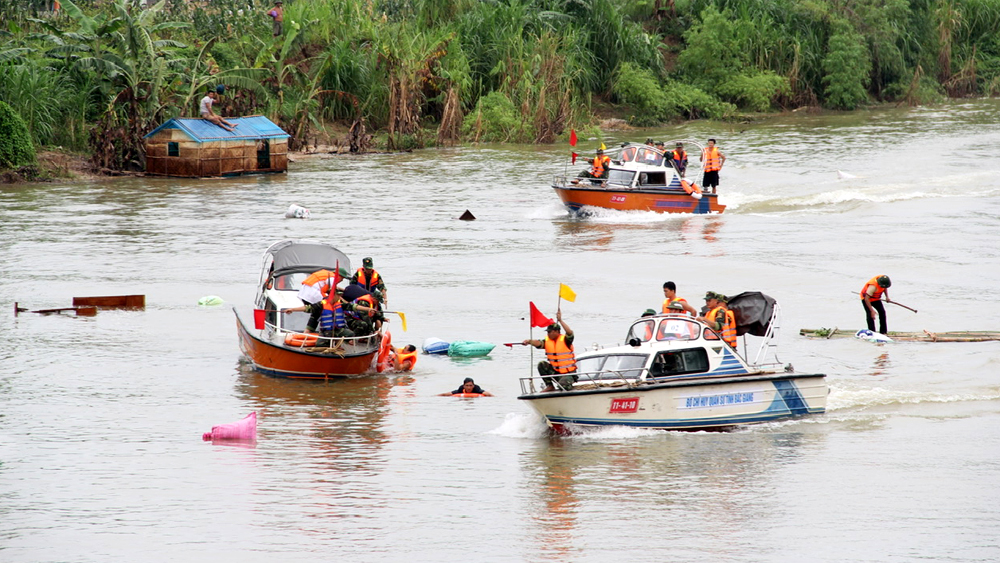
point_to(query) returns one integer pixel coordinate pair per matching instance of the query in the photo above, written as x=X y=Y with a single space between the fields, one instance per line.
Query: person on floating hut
x=468 y=386
x=712 y=160
x=719 y=318
x=871 y=298
x=679 y=159
x=670 y=298
x=598 y=166
x=278 y=15
x=368 y=278
x=210 y=115
x=560 y=359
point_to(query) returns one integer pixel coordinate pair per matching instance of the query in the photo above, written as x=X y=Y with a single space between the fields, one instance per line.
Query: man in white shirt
x=207 y=113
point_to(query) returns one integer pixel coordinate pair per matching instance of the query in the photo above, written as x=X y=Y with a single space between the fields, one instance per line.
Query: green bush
x=496 y=120
x=847 y=68
x=753 y=91
x=16 y=149
x=691 y=102
x=638 y=87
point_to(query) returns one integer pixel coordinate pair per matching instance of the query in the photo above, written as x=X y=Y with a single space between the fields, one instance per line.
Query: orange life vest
x=365 y=282
x=323 y=280
x=405 y=360
x=560 y=355
x=600 y=162
x=879 y=290
x=679 y=156
x=667 y=310
x=712 y=159
x=728 y=329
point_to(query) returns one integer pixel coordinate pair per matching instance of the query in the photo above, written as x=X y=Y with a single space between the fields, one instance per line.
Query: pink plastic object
x=244 y=430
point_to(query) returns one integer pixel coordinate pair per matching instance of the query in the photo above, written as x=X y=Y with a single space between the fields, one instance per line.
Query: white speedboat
x=675 y=373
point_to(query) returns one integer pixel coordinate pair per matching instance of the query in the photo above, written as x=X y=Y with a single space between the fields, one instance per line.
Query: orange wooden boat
x=275 y=342
x=639 y=178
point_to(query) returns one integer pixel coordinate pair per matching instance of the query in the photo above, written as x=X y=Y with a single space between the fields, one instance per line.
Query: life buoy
x=384 y=362
x=300 y=340
x=467 y=395
x=691 y=188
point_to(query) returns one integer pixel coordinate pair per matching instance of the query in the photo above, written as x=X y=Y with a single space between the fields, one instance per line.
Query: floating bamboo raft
x=925 y=336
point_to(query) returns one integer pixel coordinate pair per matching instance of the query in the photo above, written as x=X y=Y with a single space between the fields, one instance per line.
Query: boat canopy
x=292 y=256
x=753 y=311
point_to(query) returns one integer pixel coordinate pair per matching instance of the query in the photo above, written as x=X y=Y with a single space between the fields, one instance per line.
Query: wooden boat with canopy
x=898 y=336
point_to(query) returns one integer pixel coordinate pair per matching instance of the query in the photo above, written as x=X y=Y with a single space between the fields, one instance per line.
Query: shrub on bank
x=16 y=149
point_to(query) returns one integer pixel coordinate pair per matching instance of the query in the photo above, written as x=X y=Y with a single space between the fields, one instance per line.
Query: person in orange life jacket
x=871 y=298
x=670 y=297
x=598 y=166
x=679 y=159
x=365 y=318
x=712 y=160
x=328 y=316
x=468 y=386
x=559 y=353
x=719 y=318
x=371 y=280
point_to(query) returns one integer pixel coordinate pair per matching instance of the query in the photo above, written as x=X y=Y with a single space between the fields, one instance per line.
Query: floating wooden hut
x=192 y=147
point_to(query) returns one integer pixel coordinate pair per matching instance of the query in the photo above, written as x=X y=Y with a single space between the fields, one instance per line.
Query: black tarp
x=303 y=256
x=753 y=311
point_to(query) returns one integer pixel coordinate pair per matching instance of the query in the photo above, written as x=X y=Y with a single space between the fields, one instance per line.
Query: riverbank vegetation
x=97 y=75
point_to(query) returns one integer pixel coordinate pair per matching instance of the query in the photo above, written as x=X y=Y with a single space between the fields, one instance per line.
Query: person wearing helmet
x=871 y=298
x=599 y=165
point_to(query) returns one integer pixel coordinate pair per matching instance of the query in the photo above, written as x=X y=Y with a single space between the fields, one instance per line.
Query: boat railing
x=340 y=345
x=587 y=380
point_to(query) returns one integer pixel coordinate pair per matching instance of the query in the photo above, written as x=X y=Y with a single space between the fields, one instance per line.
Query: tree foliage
x=16 y=149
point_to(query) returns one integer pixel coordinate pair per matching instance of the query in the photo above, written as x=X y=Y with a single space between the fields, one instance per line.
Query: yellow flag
x=602 y=148
x=566 y=293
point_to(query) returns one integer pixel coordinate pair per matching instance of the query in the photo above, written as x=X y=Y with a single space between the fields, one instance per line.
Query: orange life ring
x=691 y=188
x=300 y=340
x=384 y=362
x=467 y=395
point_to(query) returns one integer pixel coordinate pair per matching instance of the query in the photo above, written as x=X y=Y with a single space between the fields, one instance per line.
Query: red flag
x=572 y=137
x=574 y=157
x=537 y=318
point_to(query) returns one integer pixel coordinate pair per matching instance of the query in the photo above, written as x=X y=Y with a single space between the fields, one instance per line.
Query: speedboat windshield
x=677 y=328
x=613 y=366
x=620 y=177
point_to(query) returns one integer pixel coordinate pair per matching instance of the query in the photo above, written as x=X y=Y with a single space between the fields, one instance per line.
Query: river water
x=101 y=457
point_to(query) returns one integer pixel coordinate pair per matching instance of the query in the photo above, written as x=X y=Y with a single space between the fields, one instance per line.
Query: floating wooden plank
x=112 y=302
x=80 y=311
x=900 y=336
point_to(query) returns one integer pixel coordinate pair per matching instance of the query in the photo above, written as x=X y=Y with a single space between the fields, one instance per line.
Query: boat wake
x=842 y=399
x=532 y=427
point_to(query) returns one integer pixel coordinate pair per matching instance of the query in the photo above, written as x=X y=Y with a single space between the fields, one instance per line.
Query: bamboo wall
x=210 y=158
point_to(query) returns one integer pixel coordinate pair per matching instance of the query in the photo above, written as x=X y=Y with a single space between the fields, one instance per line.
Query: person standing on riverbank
x=712 y=160
x=278 y=15
x=871 y=298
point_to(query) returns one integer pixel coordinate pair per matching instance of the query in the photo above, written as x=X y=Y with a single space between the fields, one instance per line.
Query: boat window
x=270 y=312
x=692 y=360
x=624 y=365
x=621 y=177
x=295 y=322
x=615 y=366
x=677 y=328
x=290 y=281
x=650 y=156
x=711 y=335
x=628 y=155
x=642 y=330
x=656 y=179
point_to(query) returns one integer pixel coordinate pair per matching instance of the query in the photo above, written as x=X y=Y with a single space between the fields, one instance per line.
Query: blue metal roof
x=253 y=127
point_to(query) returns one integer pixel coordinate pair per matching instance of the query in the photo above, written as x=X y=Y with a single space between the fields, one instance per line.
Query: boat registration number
x=630 y=404
x=617 y=199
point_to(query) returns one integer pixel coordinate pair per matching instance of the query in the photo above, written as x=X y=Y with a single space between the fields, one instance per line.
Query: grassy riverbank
x=97 y=75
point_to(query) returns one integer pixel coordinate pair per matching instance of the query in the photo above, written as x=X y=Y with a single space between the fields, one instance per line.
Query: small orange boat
x=276 y=343
x=639 y=178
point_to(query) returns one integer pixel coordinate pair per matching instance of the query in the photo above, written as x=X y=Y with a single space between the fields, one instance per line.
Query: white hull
x=685 y=405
